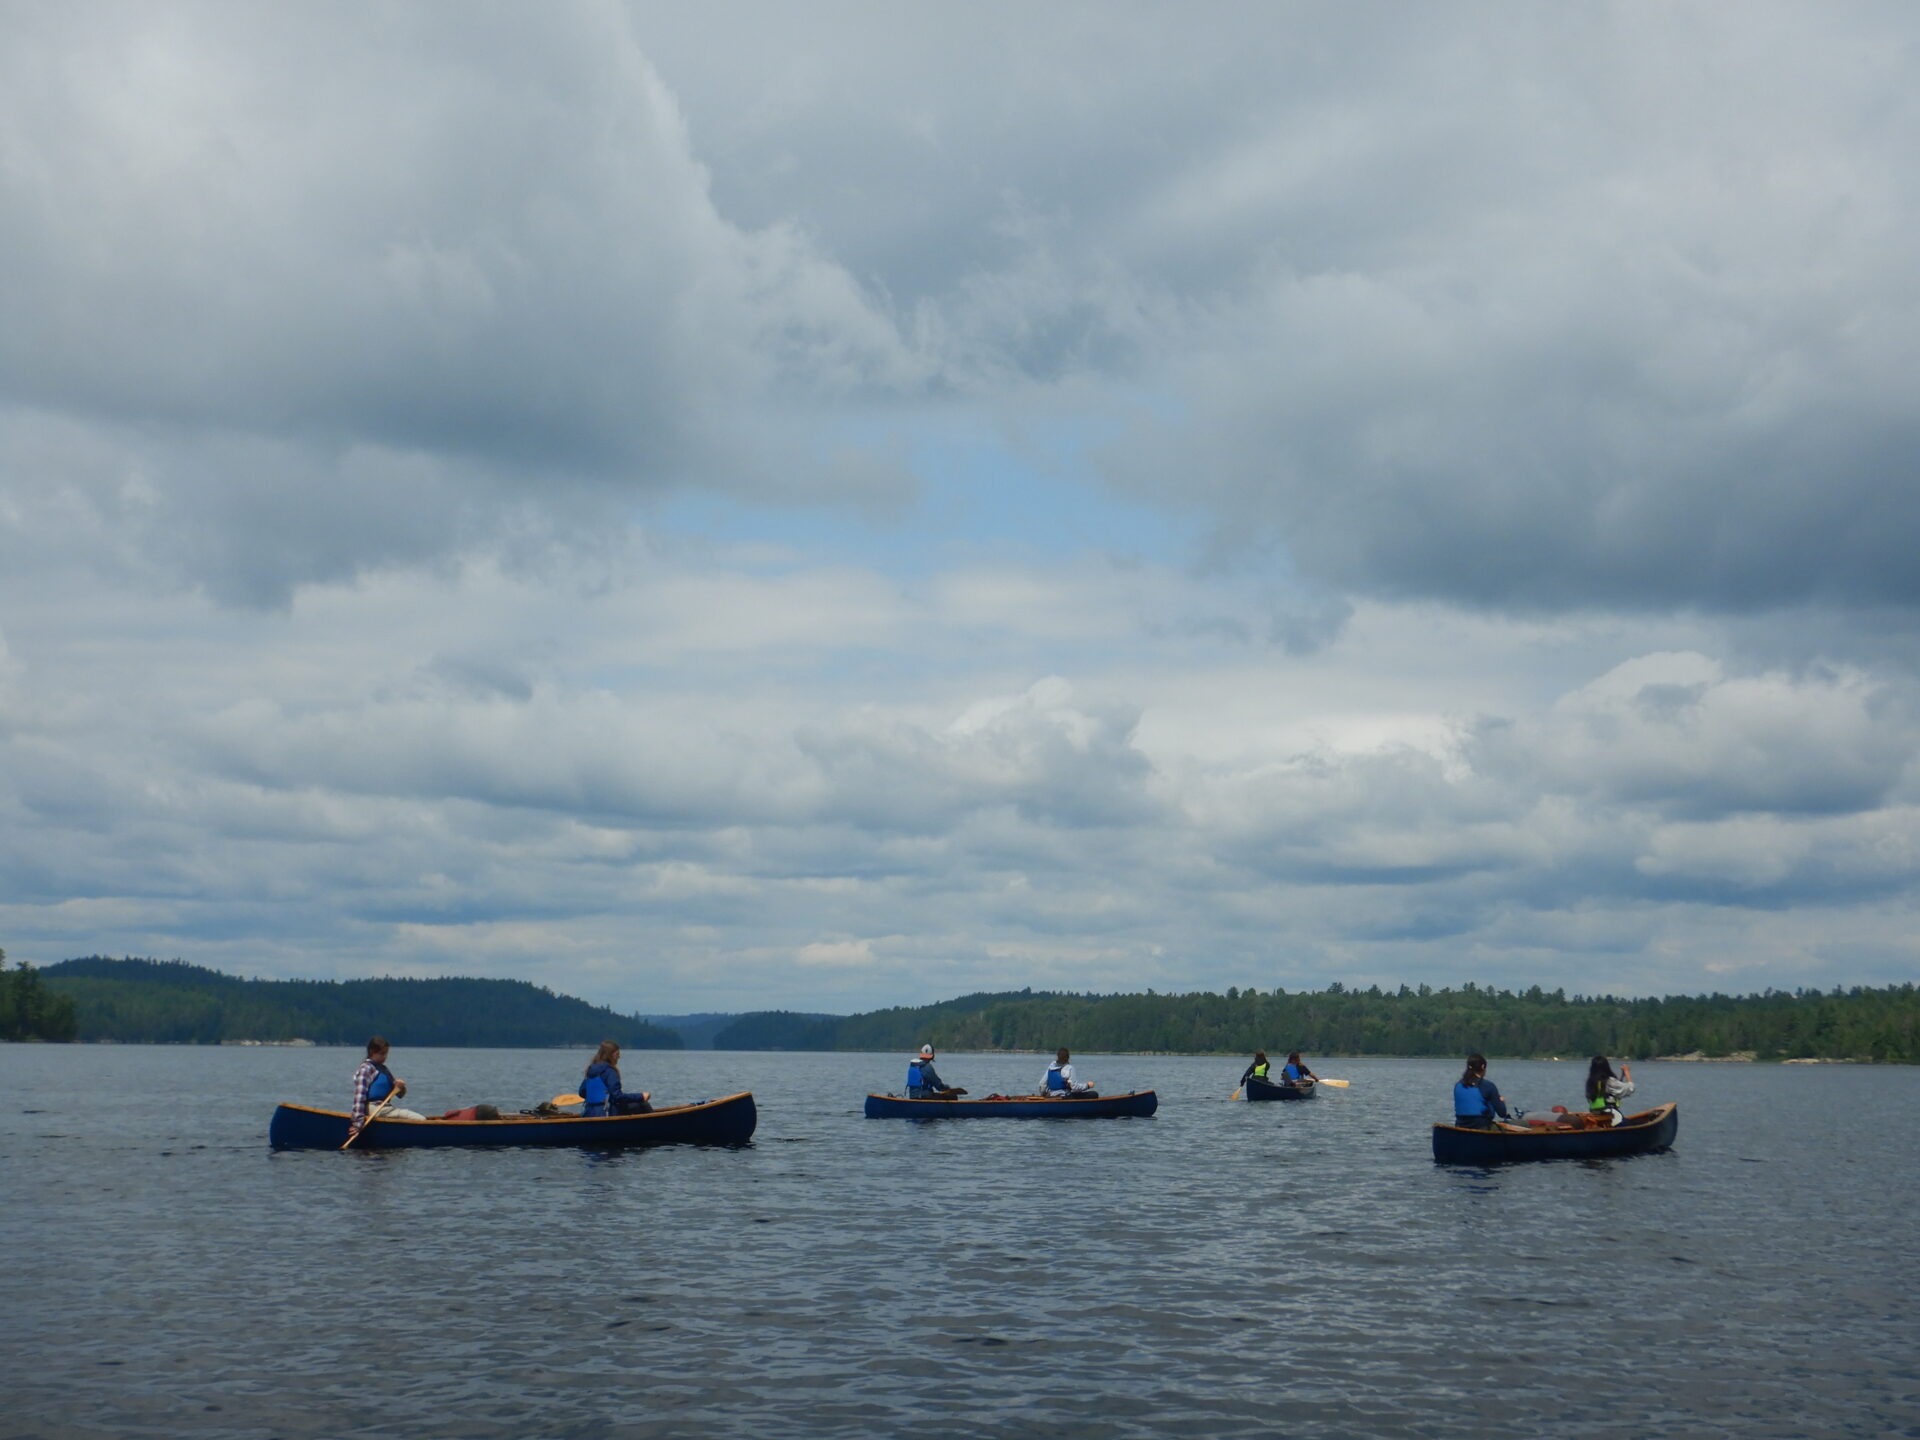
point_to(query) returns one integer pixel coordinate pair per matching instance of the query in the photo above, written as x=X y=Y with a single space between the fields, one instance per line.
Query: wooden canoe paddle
x=568 y=1100
x=372 y=1115
x=1337 y=1084
x=1235 y=1095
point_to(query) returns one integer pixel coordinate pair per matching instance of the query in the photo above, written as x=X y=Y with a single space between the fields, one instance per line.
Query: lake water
x=1218 y=1270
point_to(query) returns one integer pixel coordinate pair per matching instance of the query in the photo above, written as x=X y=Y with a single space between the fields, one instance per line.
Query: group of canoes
x=1483 y=1130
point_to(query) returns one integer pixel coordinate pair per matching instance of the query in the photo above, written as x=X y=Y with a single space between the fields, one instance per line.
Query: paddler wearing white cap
x=923 y=1082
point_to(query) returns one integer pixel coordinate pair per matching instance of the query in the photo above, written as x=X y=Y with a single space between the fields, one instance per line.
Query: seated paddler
x=1295 y=1070
x=1605 y=1091
x=1476 y=1099
x=924 y=1082
x=1258 y=1070
x=1059 y=1079
x=601 y=1088
x=377 y=1090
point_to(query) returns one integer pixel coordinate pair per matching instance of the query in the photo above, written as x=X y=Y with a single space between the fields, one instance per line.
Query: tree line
x=1852 y=1024
x=156 y=1001
x=172 y=1002
x=29 y=1010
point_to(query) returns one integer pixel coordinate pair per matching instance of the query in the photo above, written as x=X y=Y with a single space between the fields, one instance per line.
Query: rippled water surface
x=1218 y=1270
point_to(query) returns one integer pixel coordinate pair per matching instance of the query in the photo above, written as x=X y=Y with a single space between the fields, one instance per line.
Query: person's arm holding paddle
x=1621 y=1088
x=931 y=1079
x=1497 y=1106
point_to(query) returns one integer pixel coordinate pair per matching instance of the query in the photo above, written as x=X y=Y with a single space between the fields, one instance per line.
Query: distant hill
x=172 y=1002
x=780 y=1030
x=695 y=1031
x=983 y=1021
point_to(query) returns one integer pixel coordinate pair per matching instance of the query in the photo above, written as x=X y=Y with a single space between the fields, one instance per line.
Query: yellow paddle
x=1337 y=1084
x=1234 y=1096
x=568 y=1100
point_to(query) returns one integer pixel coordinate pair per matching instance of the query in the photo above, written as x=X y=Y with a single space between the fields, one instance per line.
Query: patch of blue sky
x=976 y=496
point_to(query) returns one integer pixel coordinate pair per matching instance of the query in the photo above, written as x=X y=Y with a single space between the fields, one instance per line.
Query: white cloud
x=837 y=953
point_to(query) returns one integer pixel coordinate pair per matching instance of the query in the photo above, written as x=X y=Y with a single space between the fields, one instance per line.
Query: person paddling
x=1059 y=1079
x=374 y=1086
x=600 y=1087
x=1605 y=1090
x=1258 y=1070
x=1296 y=1069
x=924 y=1082
x=1476 y=1099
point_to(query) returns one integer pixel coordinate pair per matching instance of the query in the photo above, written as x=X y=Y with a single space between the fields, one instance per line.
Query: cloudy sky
x=827 y=506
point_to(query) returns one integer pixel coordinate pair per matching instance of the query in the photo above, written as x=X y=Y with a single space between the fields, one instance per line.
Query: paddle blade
x=568 y=1100
x=1234 y=1096
x=1338 y=1084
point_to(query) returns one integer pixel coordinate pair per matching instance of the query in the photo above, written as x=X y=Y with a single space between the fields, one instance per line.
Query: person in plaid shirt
x=372 y=1083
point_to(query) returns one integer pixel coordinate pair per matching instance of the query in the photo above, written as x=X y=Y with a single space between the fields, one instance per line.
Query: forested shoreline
x=1863 y=1024
x=172 y=1002
x=138 y=1000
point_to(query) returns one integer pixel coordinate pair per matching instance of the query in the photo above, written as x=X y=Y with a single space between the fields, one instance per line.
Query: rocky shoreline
x=1747 y=1057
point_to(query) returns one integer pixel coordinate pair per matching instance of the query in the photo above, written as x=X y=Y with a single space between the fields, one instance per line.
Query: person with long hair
x=1258 y=1069
x=1295 y=1070
x=1476 y=1099
x=1605 y=1090
x=600 y=1086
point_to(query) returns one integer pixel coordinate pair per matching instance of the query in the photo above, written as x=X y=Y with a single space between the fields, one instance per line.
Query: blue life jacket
x=594 y=1089
x=1294 y=1072
x=913 y=1076
x=380 y=1086
x=1055 y=1081
x=1468 y=1102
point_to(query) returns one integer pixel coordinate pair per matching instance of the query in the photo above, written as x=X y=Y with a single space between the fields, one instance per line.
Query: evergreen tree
x=29 y=1010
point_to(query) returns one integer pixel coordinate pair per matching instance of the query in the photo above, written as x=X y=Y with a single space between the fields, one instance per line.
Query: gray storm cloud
x=329 y=296
x=1599 y=308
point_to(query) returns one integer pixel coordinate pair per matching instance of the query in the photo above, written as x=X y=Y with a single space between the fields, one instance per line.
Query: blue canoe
x=1012 y=1107
x=1639 y=1134
x=727 y=1121
x=1258 y=1089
